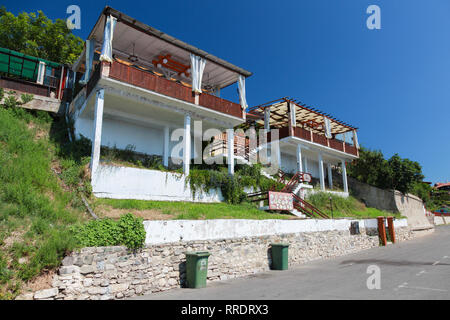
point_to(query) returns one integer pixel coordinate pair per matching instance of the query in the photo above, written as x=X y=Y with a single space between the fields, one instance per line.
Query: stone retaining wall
x=115 y=273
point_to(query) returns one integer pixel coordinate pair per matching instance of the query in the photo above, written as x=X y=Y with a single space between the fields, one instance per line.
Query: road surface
x=415 y=269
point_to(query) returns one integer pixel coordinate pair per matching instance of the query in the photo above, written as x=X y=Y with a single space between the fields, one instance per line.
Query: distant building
x=24 y=74
x=444 y=186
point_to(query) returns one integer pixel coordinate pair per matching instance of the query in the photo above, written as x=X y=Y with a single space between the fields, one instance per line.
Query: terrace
x=312 y=126
x=152 y=60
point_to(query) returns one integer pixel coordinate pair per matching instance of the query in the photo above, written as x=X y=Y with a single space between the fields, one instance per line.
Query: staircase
x=307 y=208
x=291 y=186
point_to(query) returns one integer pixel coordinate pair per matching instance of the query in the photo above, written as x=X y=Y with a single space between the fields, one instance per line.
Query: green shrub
x=131 y=231
x=232 y=187
x=128 y=230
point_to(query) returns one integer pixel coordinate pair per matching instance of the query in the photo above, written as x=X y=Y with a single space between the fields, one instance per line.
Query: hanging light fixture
x=133 y=57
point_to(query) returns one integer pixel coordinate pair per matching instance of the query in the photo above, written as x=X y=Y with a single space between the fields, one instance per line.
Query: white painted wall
x=438 y=220
x=147 y=139
x=289 y=164
x=190 y=230
x=143 y=184
x=338 y=193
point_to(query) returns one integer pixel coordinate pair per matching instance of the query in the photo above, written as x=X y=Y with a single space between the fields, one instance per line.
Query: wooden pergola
x=306 y=117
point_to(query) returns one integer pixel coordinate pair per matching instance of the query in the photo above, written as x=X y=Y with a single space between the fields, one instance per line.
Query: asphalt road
x=415 y=269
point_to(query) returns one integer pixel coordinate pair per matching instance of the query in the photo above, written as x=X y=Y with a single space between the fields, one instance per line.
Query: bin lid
x=278 y=244
x=198 y=253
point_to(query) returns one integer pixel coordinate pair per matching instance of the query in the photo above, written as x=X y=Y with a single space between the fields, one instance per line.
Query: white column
x=97 y=137
x=344 y=176
x=187 y=144
x=166 y=147
x=355 y=139
x=278 y=155
x=230 y=150
x=321 y=173
x=330 y=177
x=299 y=158
x=267 y=119
x=306 y=165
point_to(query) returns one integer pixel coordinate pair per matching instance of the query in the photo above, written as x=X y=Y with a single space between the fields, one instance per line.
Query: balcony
x=147 y=80
x=319 y=139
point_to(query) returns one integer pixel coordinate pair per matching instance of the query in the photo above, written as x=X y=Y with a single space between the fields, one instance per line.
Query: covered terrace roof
x=132 y=37
x=306 y=116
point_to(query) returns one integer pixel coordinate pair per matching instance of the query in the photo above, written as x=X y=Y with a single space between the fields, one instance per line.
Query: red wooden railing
x=147 y=80
x=321 y=139
x=336 y=144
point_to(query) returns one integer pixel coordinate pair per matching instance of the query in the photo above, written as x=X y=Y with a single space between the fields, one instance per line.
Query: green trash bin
x=279 y=256
x=196 y=269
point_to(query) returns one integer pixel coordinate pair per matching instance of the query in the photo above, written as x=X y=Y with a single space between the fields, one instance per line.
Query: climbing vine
x=233 y=187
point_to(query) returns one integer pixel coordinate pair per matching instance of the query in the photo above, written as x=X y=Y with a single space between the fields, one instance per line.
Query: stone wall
x=407 y=205
x=115 y=273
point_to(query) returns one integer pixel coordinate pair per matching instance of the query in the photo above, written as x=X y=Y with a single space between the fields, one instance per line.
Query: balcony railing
x=317 y=138
x=147 y=80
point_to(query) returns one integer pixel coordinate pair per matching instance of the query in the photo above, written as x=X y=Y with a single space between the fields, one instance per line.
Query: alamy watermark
x=374 y=280
x=249 y=146
x=374 y=20
x=74 y=20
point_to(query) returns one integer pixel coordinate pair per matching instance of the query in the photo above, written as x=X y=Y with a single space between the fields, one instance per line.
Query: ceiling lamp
x=133 y=57
x=168 y=62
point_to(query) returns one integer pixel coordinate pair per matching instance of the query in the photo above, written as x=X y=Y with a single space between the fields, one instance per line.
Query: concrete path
x=416 y=269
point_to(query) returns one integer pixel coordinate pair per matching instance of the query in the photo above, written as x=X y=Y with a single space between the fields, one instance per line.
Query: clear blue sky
x=393 y=83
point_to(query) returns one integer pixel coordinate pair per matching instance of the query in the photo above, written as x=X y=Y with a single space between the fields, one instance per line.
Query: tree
x=370 y=168
x=404 y=173
x=36 y=35
x=396 y=173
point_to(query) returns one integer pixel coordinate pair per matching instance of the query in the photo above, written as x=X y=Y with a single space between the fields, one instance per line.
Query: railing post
x=381 y=231
x=105 y=69
x=391 y=228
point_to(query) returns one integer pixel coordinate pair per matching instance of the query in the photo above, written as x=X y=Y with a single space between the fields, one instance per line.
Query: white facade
x=117 y=115
x=168 y=231
x=143 y=184
x=148 y=139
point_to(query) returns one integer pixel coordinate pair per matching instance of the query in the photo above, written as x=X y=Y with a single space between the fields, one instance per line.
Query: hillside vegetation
x=42 y=217
x=44 y=176
x=339 y=207
x=36 y=211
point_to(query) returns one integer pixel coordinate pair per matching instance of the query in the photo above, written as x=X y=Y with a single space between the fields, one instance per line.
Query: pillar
x=321 y=173
x=166 y=147
x=330 y=177
x=187 y=144
x=97 y=137
x=230 y=150
x=306 y=165
x=344 y=176
x=299 y=158
x=267 y=119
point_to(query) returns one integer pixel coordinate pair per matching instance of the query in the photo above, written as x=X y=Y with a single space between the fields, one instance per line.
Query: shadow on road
x=392 y=262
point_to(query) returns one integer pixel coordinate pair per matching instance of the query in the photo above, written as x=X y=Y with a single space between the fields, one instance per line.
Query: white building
x=139 y=85
x=309 y=140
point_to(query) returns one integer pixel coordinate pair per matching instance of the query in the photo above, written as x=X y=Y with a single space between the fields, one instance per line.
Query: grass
x=345 y=207
x=194 y=211
x=42 y=176
x=35 y=211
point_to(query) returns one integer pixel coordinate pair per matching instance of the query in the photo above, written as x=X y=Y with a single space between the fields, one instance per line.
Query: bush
x=232 y=187
x=131 y=231
x=128 y=230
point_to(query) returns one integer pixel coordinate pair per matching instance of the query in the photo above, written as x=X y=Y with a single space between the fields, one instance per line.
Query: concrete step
x=297 y=213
